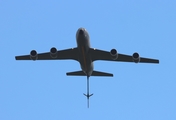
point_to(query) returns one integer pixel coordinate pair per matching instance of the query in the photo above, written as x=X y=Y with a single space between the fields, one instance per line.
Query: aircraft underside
x=86 y=55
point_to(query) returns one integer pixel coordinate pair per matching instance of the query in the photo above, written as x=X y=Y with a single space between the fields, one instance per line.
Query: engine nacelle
x=53 y=52
x=136 y=57
x=33 y=55
x=114 y=54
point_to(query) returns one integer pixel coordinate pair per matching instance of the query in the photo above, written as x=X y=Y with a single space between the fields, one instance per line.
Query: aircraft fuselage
x=83 y=44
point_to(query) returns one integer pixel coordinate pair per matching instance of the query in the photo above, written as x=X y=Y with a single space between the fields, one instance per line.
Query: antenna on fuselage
x=88 y=95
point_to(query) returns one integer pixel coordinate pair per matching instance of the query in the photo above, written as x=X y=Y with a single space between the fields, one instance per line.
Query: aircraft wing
x=105 y=55
x=71 y=53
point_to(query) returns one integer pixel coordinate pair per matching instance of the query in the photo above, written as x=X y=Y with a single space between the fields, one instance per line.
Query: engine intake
x=33 y=55
x=114 y=54
x=53 y=52
x=136 y=57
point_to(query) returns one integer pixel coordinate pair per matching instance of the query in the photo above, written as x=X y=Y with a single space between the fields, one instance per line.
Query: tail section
x=94 y=73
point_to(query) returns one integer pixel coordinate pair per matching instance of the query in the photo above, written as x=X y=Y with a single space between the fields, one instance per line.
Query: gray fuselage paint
x=83 y=45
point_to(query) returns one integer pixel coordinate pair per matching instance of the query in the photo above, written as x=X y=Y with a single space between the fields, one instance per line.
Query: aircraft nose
x=81 y=32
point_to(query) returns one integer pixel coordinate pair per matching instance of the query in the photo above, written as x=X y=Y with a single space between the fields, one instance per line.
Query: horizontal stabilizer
x=94 y=73
x=76 y=73
x=97 y=73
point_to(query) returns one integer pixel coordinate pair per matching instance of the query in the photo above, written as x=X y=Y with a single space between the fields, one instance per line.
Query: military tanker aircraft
x=86 y=55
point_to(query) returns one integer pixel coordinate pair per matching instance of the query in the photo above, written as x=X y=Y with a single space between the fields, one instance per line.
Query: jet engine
x=33 y=55
x=136 y=57
x=53 y=52
x=114 y=54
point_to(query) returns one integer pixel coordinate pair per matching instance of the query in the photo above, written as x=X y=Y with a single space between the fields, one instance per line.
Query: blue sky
x=41 y=90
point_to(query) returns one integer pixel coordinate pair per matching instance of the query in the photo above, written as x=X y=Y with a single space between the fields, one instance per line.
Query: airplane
x=86 y=55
